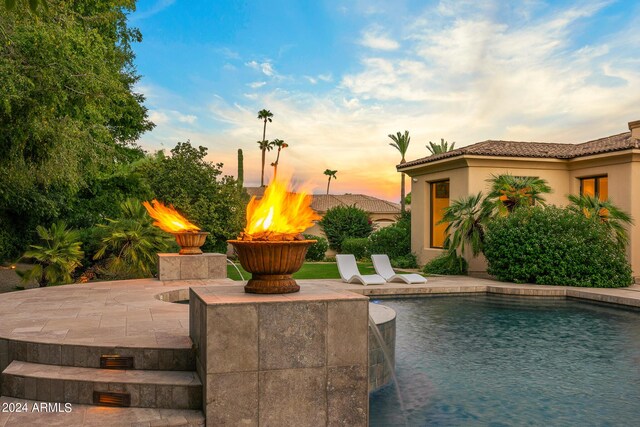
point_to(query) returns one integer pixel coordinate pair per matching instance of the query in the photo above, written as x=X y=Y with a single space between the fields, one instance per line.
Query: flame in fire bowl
x=271 y=247
x=188 y=236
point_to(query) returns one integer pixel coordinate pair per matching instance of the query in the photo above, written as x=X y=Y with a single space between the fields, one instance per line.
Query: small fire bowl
x=271 y=264
x=190 y=242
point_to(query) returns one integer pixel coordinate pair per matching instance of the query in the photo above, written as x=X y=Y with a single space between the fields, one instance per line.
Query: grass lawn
x=309 y=270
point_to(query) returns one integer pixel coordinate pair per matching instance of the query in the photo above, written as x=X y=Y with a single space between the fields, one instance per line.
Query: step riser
x=81 y=392
x=89 y=357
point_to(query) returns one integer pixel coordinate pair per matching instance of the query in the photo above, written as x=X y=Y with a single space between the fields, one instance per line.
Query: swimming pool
x=494 y=360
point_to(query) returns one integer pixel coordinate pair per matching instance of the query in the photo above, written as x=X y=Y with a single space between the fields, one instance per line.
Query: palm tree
x=280 y=144
x=265 y=115
x=443 y=147
x=330 y=174
x=466 y=219
x=401 y=143
x=509 y=192
x=56 y=257
x=265 y=146
x=609 y=214
x=131 y=242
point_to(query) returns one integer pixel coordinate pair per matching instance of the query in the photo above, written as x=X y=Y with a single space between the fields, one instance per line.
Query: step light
x=111 y=398
x=115 y=361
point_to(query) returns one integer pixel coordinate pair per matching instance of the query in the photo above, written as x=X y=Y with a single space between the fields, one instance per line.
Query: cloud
x=157 y=7
x=256 y=85
x=465 y=73
x=374 y=39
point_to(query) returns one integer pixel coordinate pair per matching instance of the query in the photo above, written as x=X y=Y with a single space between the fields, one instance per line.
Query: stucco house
x=607 y=167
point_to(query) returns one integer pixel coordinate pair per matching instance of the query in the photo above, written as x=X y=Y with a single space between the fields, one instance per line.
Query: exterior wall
x=469 y=175
x=420 y=207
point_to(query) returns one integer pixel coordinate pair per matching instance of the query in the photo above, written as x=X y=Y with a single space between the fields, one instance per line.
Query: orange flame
x=167 y=218
x=279 y=215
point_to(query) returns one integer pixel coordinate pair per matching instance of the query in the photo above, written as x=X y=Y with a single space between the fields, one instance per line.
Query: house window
x=439 y=201
x=597 y=186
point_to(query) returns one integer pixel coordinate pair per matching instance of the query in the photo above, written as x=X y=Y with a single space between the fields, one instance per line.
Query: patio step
x=87 y=415
x=86 y=356
x=146 y=389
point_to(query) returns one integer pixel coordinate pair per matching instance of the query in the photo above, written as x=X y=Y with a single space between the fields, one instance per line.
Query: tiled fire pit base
x=192 y=267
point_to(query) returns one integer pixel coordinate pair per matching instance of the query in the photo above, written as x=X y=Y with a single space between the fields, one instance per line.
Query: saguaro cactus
x=240 y=167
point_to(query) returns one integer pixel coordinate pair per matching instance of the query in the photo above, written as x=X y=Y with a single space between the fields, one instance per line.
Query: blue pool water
x=503 y=361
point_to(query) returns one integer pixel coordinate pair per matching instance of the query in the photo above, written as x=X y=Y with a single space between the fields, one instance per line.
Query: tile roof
x=546 y=150
x=324 y=202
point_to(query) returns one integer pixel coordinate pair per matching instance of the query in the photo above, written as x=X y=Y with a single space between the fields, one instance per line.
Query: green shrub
x=56 y=256
x=447 y=263
x=395 y=241
x=553 y=246
x=406 y=261
x=356 y=246
x=317 y=250
x=343 y=222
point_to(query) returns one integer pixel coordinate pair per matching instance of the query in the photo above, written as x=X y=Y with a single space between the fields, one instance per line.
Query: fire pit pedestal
x=271 y=264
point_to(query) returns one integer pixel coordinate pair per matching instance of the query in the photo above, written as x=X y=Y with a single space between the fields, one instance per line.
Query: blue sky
x=340 y=76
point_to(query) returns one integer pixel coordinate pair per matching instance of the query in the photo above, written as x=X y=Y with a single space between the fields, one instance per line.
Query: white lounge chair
x=383 y=267
x=349 y=272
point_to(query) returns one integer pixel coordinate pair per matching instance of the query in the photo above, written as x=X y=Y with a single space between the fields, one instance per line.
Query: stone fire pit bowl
x=271 y=264
x=190 y=242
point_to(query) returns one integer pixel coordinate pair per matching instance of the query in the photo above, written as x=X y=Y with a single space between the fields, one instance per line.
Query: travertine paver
x=128 y=314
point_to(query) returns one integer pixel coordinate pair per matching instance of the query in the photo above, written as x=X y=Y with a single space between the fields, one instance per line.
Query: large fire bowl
x=271 y=264
x=190 y=242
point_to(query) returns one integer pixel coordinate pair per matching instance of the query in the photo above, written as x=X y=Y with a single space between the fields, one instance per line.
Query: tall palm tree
x=509 y=192
x=466 y=219
x=265 y=146
x=266 y=116
x=331 y=174
x=443 y=147
x=401 y=143
x=281 y=145
x=55 y=258
x=609 y=214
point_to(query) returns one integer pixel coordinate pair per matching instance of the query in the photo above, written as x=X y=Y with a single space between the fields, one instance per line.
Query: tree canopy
x=67 y=107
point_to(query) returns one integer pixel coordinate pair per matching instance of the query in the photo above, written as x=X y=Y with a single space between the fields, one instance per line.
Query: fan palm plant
x=401 y=143
x=131 y=242
x=509 y=192
x=281 y=145
x=331 y=174
x=265 y=145
x=609 y=214
x=443 y=147
x=56 y=257
x=466 y=219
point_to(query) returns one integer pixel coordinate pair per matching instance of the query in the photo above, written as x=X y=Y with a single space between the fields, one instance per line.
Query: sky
x=340 y=76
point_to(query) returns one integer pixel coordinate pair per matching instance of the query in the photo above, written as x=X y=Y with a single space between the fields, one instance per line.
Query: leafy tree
x=607 y=213
x=66 y=105
x=317 y=250
x=55 y=258
x=466 y=218
x=130 y=242
x=342 y=222
x=265 y=145
x=280 y=144
x=443 y=147
x=509 y=192
x=401 y=143
x=331 y=174
x=195 y=186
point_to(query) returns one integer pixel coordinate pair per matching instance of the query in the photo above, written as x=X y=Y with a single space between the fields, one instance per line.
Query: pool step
x=40 y=413
x=146 y=389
